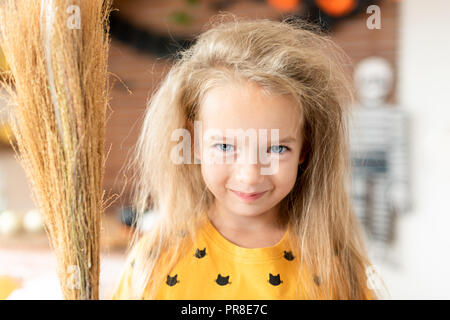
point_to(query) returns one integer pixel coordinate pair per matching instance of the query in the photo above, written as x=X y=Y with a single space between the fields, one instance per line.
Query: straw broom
x=57 y=51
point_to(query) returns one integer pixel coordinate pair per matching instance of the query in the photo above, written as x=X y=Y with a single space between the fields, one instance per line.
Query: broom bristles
x=59 y=96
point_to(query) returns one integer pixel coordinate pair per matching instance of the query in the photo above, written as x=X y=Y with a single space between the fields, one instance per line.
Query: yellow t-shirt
x=218 y=269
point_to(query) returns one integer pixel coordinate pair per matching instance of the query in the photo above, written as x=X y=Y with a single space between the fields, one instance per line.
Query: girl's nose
x=249 y=174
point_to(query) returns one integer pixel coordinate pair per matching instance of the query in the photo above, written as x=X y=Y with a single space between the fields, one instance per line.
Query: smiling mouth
x=248 y=196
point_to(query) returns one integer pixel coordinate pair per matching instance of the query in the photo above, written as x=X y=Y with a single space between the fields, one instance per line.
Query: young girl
x=225 y=229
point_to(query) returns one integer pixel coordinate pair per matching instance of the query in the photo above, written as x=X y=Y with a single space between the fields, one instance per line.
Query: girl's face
x=246 y=108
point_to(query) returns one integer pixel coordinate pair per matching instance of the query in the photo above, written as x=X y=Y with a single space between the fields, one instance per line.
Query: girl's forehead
x=248 y=106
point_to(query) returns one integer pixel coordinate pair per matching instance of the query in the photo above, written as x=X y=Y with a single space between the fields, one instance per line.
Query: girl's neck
x=259 y=231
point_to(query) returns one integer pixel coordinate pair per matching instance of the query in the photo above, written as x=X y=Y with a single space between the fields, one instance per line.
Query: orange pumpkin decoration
x=336 y=8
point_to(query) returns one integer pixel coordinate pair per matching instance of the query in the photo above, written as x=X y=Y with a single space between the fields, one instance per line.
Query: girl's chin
x=241 y=212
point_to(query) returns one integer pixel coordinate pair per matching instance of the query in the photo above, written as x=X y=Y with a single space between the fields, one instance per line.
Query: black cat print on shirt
x=222 y=280
x=274 y=280
x=200 y=253
x=171 y=281
x=288 y=255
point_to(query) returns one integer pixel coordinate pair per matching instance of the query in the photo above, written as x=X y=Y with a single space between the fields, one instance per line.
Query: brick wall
x=360 y=42
x=135 y=75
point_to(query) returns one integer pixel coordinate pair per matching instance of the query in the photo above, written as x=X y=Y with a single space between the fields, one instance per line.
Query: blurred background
x=400 y=134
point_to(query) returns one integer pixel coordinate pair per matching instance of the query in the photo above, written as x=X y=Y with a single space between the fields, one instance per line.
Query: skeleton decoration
x=379 y=154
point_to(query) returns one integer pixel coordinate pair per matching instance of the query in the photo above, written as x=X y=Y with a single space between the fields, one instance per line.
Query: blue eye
x=276 y=149
x=221 y=145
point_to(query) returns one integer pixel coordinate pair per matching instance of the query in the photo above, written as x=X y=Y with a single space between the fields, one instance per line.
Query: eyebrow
x=284 y=140
x=288 y=139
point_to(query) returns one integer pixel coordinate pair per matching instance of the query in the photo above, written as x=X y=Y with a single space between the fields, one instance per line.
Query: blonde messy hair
x=289 y=57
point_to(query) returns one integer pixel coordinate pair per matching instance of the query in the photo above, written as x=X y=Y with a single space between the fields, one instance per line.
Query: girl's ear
x=302 y=157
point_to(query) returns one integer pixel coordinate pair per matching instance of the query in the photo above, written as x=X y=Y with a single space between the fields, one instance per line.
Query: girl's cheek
x=214 y=175
x=286 y=175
